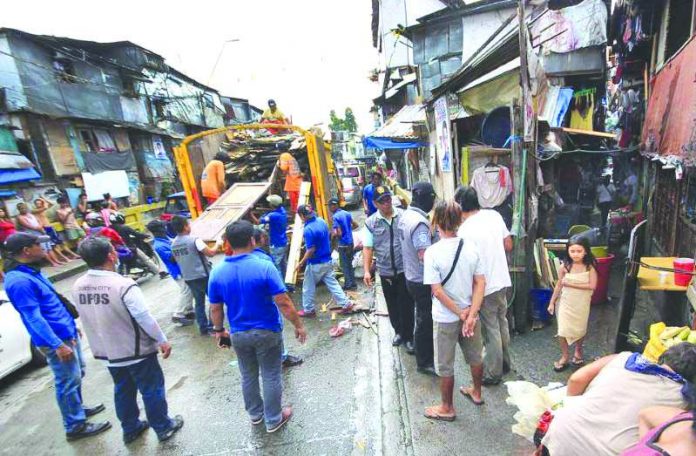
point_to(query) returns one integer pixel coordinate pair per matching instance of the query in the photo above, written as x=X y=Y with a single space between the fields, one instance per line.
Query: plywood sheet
x=231 y=206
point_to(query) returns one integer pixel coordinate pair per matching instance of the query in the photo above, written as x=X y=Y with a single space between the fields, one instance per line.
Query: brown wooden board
x=231 y=206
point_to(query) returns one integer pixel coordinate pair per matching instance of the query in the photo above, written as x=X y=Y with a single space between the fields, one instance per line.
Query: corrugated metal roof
x=401 y=124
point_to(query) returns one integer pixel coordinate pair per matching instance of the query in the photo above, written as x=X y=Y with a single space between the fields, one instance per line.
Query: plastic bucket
x=603 y=273
x=540 y=302
x=600 y=251
x=685 y=265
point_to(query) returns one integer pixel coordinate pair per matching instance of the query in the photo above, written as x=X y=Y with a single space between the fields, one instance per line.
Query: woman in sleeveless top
x=676 y=435
x=571 y=300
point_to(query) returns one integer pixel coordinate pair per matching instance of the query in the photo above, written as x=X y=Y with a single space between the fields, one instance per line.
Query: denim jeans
x=145 y=376
x=199 y=289
x=257 y=351
x=68 y=380
x=280 y=258
x=315 y=273
x=345 y=253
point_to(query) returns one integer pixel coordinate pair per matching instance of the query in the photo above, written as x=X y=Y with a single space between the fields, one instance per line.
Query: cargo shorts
x=446 y=336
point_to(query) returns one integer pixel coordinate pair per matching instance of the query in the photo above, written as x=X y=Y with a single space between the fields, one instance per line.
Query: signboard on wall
x=113 y=182
x=158 y=148
x=442 y=129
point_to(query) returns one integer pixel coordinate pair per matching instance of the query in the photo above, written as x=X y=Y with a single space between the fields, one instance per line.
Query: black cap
x=333 y=201
x=422 y=188
x=271 y=102
x=16 y=242
x=305 y=210
x=381 y=192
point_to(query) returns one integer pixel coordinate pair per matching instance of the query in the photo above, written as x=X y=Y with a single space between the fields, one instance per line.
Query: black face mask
x=424 y=202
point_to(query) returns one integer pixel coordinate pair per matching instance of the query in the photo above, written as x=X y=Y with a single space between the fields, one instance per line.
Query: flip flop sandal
x=577 y=362
x=560 y=367
x=468 y=395
x=432 y=414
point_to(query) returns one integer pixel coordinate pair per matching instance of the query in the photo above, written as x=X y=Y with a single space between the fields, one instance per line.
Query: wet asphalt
x=355 y=394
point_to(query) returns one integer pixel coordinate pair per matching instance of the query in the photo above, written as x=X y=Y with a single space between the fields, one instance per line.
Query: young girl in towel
x=571 y=300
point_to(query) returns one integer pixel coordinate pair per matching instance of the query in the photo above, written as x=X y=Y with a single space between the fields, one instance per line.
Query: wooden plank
x=601 y=134
x=297 y=234
x=231 y=206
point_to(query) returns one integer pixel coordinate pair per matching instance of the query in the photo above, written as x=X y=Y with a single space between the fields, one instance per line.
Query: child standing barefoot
x=576 y=282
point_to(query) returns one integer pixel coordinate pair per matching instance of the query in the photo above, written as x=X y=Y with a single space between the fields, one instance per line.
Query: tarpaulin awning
x=670 y=120
x=109 y=161
x=497 y=88
x=387 y=143
x=7 y=193
x=12 y=176
x=400 y=125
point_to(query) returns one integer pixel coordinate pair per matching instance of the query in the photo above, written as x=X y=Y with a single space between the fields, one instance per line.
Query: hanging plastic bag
x=532 y=401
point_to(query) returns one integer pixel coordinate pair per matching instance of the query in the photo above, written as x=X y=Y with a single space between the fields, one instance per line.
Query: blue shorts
x=53 y=234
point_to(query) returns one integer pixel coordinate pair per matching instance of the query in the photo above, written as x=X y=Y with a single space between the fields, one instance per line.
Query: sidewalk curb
x=67 y=273
x=396 y=422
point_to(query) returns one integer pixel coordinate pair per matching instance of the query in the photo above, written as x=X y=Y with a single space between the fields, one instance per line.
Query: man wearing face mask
x=414 y=231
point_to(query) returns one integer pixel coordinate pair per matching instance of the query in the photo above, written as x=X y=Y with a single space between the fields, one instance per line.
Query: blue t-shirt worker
x=251 y=290
x=184 y=313
x=277 y=221
x=317 y=257
x=53 y=331
x=343 y=225
x=368 y=192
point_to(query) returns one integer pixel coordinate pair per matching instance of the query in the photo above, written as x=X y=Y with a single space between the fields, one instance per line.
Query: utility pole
x=525 y=186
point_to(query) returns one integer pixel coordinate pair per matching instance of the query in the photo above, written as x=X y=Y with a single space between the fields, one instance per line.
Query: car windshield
x=175 y=205
x=351 y=171
x=348 y=183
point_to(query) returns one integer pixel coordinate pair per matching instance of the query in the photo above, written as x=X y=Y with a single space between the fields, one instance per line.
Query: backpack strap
x=454 y=263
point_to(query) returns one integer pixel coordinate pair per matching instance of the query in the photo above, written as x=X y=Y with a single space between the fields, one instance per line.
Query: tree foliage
x=347 y=123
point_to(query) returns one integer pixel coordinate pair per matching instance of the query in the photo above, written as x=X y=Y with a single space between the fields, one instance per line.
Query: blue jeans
x=345 y=253
x=280 y=258
x=315 y=273
x=260 y=350
x=199 y=289
x=68 y=380
x=146 y=377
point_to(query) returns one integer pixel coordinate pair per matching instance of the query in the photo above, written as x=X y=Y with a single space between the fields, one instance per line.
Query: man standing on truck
x=293 y=178
x=273 y=115
x=213 y=178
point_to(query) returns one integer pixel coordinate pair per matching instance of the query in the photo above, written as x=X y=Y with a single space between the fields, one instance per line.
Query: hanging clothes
x=582 y=114
x=493 y=184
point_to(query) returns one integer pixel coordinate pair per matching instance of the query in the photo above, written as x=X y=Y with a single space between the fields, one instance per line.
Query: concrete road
x=353 y=395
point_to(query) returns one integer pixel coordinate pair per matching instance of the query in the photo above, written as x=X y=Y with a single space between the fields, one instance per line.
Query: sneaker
x=257 y=421
x=128 y=438
x=87 y=430
x=347 y=309
x=177 y=423
x=292 y=360
x=91 y=411
x=163 y=275
x=310 y=314
x=182 y=321
x=190 y=315
x=285 y=417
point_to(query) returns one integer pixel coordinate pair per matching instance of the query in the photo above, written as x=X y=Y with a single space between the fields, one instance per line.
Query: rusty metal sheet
x=231 y=206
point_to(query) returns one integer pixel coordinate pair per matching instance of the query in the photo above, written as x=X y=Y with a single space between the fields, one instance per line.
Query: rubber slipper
x=560 y=367
x=468 y=395
x=432 y=414
x=578 y=362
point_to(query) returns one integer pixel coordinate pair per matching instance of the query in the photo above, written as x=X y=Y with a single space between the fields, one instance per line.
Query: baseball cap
x=274 y=200
x=333 y=201
x=423 y=188
x=381 y=192
x=18 y=241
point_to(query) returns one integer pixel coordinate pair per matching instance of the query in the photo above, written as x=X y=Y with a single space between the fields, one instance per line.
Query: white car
x=16 y=349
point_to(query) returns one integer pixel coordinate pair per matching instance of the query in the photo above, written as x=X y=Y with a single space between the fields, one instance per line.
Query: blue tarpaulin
x=371 y=142
x=10 y=176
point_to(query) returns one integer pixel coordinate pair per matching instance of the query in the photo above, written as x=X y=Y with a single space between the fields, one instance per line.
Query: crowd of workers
x=443 y=271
